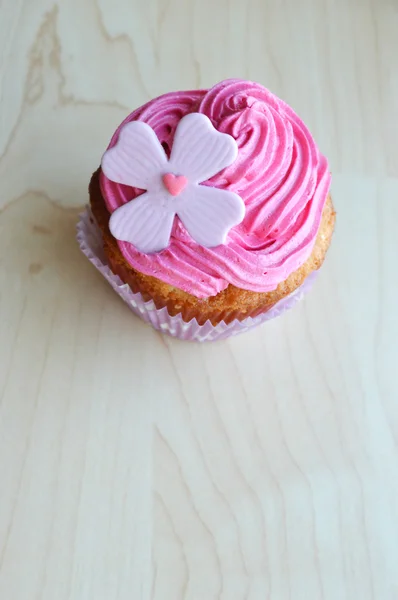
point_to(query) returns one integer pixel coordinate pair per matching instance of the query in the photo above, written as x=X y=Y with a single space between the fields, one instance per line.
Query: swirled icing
x=279 y=173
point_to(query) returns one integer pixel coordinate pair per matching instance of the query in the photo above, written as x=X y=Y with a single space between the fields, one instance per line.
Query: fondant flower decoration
x=173 y=185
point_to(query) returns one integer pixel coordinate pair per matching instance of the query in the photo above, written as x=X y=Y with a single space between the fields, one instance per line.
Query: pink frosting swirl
x=279 y=173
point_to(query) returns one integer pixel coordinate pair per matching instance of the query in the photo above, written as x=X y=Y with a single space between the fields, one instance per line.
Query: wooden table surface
x=134 y=466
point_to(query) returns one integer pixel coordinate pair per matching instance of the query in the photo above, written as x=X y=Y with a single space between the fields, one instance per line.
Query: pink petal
x=199 y=150
x=136 y=158
x=145 y=222
x=209 y=213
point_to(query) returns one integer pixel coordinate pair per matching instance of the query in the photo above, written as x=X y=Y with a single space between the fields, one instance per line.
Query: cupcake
x=213 y=207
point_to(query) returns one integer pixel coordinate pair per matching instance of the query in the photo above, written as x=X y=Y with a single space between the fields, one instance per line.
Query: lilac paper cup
x=90 y=241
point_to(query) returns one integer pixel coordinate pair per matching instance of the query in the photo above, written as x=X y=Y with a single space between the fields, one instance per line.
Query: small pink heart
x=174 y=184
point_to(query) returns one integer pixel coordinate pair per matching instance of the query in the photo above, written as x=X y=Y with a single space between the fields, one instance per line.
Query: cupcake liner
x=90 y=241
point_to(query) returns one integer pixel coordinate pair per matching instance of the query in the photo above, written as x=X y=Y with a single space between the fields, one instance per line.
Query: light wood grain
x=133 y=466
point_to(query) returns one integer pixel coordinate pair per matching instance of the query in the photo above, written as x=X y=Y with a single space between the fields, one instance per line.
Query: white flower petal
x=145 y=222
x=136 y=158
x=199 y=150
x=208 y=213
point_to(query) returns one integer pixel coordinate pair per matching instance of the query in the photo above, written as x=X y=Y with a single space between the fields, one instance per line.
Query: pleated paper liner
x=90 y=241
